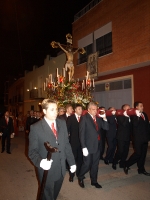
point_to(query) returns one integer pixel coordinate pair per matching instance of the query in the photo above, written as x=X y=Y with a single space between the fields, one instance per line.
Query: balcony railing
x=86 y=9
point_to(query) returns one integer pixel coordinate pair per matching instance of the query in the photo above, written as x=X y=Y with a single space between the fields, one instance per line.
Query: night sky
x=26 y=29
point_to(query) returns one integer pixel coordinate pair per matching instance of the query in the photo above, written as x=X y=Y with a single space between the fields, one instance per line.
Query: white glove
x=73 y=168
x=138 y=113
x=85 y=152
x=113 y=112
x=103 y=115
x=46 y=164
x=125 y=114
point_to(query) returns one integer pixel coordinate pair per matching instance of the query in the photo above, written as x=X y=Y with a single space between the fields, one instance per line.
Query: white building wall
x=36 y=78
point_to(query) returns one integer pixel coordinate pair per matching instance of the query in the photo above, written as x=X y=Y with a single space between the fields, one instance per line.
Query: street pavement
x=18 y=179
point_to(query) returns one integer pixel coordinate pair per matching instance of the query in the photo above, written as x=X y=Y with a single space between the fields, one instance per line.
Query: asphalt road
x=18 y=179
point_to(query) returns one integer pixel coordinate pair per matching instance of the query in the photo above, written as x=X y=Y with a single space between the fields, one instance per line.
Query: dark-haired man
x=53 y=130
x=111 y=137
x=73 y=130
x=103 y=138
x=140 y=125
x=69 y=111
x=6 y=129
x=123 y=138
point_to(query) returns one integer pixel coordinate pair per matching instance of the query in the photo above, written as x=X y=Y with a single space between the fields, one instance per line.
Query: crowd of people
x=85 y=133
x=80 y=137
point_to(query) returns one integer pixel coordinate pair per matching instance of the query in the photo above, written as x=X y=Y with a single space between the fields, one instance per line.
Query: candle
x=83 y=85
x=93 y=83
x=69 y=76
x=58 y=80
x=87 y=75
x=57 y=72
x=44 y=86
x=64 y=73
x=50 y=78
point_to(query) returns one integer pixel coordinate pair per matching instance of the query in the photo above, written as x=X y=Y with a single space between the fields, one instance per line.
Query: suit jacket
x=124 y=128
x=64 y=117
x=88 y=133
x=73 y=130
x=140 y=128
x=111 y=133
x=30 y=120
x=40 y=133
x=6 y=128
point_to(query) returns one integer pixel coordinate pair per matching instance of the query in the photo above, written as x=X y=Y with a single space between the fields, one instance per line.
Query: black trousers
x=112 y=142
x=122 y=152
x=103 y=141
x=78 y=156
x=90 y=163
x=6 y=138
x=52 y=189
x=139 y=155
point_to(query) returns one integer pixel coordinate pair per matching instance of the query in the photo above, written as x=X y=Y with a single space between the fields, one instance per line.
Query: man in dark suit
x=6 y=128
x=55 y=132
x=111 y=137
x=73 y=130
x=89 y=132
x=103 y=138
x=140 y=125
x=69 y=111
x=30 y=120
x=123 y=138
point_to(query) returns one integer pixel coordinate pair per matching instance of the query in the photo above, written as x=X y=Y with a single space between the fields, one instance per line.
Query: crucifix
x=69 y=51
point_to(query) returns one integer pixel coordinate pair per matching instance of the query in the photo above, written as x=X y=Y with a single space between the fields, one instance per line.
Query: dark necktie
x=96 y=125
x=54 y=130
x=142 y=115
x=7 y=121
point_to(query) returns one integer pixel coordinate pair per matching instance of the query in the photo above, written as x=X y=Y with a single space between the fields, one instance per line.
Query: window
x=83 y=57
x=104 y=44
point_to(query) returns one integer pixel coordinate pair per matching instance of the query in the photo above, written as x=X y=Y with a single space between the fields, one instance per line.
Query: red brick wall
x=141 y=81
x=130 y=32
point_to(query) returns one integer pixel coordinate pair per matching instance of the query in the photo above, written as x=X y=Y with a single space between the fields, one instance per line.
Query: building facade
x=34 y=81
x=119 y=31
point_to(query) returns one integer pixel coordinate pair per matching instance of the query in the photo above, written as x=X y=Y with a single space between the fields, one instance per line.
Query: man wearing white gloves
x=54 y=131
x=140 y=125
x=89 y=133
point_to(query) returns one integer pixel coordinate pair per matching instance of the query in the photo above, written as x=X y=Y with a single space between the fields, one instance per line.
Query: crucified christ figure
x=69 y=51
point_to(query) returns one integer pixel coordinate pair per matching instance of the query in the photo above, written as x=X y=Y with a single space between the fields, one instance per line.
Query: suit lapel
x=75 y=119
x=91 y=120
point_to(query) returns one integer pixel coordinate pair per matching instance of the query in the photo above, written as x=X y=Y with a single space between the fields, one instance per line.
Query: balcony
x=86 y=9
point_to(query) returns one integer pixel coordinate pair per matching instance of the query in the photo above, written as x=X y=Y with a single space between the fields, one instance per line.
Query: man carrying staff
x=53 y=130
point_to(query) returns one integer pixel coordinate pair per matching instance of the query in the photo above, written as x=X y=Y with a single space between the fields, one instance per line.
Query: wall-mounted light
x=35 y=88
x=39 y=103
x=28 y=90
